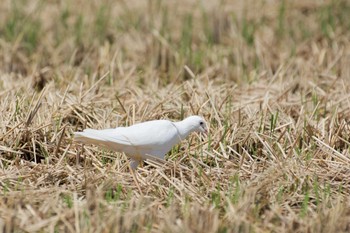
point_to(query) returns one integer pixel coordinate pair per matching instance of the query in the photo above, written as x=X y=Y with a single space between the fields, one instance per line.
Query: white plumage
x=143 y=140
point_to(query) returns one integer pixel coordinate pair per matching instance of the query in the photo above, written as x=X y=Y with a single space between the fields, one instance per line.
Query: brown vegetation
x=270 y=77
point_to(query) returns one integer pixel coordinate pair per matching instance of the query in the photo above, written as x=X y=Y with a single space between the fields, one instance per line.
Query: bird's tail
x=91 y=136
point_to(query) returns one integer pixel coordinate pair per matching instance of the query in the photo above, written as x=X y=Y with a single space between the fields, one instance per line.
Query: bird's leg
x=133 y=165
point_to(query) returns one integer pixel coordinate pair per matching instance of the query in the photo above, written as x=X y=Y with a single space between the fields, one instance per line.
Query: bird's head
x=198 y=124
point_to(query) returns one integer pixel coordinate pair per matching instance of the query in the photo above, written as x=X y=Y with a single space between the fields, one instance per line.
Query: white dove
x=143 y=140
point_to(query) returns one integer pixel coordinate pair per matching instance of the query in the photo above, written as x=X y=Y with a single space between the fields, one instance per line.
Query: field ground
x=270 y=77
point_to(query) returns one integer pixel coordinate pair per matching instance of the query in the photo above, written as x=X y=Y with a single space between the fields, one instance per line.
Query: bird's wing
x=151 y=134
x=154 y=138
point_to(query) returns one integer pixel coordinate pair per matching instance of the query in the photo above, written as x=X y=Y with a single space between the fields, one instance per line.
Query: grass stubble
x=271 y=79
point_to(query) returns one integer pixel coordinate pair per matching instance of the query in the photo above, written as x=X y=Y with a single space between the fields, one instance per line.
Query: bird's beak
x=205 y=131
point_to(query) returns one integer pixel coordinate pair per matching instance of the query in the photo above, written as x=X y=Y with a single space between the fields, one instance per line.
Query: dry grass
x=270 y=77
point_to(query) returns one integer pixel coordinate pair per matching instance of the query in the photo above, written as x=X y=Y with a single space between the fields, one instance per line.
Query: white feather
x=144 y=140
